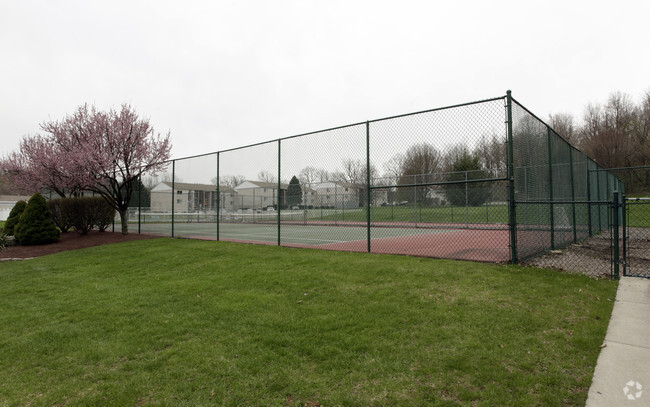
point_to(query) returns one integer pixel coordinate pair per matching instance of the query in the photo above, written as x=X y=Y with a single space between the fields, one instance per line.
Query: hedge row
x=82 y=214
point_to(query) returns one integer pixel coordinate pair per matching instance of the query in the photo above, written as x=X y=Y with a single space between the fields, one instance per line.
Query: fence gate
x=636 y=239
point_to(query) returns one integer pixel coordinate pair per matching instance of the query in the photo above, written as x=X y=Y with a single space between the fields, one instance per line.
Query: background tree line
x=615 y=134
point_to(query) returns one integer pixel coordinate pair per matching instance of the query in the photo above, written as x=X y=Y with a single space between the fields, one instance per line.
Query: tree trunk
x=125 y=220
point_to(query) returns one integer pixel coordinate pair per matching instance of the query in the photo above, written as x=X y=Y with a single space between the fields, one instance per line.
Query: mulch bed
x=71 y=241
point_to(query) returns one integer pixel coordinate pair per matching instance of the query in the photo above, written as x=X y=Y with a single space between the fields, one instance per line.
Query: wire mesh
x=440 y=190
x=326 y=179
x=432 y=183
x=536 y=220
x=250 y=191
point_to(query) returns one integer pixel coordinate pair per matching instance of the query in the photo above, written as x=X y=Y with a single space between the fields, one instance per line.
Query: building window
x=179 y=201
x=179 y=192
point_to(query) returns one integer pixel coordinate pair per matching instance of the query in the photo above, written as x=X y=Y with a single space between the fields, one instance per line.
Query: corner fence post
x=218 y=197
x=279 y=188
x=511 y=181
x=550 y=190
x=614 y=211
x=368 y=181
x=173 y=193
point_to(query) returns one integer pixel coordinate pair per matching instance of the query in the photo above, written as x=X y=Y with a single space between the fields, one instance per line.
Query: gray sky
x=221 y=74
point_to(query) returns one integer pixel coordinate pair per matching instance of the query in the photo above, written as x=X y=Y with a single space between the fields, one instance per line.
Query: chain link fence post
x=511 y=181
x=279 y=211
x=368 y=181
x=218 y=197
x=173 y=193
x=550 y=189
x=615 y=225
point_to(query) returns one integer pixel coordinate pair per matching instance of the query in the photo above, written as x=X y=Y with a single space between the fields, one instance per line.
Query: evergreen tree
x=467 y=167
x=14 y=217
x=294 y=192
x=35 y=225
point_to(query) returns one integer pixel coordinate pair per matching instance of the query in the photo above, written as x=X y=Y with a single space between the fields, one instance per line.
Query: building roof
x=186 y=186
x=261 y=184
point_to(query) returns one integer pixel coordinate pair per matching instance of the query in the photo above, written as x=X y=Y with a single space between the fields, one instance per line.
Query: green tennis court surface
x=290 y=234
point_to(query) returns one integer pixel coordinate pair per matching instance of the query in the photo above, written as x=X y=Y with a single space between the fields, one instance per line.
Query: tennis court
x=489 y=243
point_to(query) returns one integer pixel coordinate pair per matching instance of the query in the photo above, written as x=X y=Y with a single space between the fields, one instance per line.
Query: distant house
x=258 y=194
x=338 y=194
x=190 y=198
x=7 y=203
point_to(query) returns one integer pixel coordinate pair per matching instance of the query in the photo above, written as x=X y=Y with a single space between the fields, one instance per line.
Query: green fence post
x=615 y=231
x=279 y=188
x=550 y=189
x=368 y=181
x=415 y=199
x=511 y=181
x=623 y=226
x=139 y=200
x=591 y=232
x=173 y=193
x=218 y=197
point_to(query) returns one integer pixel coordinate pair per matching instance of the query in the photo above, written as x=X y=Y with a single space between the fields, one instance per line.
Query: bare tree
x=322 y=175
x=608 y=131
x=421 y=164
x=229 y=180
x=564 y=125
x=492 y=152
x=393 y=167
x=266 y=176
x=308 y=175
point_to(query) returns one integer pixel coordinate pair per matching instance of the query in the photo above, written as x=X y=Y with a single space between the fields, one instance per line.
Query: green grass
x=639 y=214
x=438 y=214
x=185 y=322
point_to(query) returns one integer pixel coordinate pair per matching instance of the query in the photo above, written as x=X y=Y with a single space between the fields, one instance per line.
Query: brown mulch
x=71 y=241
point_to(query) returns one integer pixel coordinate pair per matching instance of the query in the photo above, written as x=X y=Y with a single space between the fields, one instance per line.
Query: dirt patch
x=71 y=241
x=593 y=256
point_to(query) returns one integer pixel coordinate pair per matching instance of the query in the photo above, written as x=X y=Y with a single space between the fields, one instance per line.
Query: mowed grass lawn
x=183 y=322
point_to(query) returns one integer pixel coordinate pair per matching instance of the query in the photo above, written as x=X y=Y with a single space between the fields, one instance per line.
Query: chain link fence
x=485 y=181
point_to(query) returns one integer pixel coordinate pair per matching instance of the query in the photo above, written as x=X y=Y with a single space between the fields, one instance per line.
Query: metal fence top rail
x=638 y=167
x=344 y=127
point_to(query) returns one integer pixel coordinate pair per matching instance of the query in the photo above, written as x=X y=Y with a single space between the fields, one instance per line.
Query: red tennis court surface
x=475 y=245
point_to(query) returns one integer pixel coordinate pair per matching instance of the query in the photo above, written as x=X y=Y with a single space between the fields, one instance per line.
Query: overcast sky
x=221 y=74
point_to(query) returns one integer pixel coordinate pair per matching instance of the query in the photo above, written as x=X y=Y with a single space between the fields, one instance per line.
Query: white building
x=189 y=198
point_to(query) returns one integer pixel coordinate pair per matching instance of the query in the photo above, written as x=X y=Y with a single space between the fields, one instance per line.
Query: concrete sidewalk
x=622 y=376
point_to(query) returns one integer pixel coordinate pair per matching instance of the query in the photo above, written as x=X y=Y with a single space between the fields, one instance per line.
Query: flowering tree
x=39 y=164
x=102 y=152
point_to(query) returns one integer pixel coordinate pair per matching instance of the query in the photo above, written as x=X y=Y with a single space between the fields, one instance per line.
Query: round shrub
x=14 y=217
x=35 y=225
